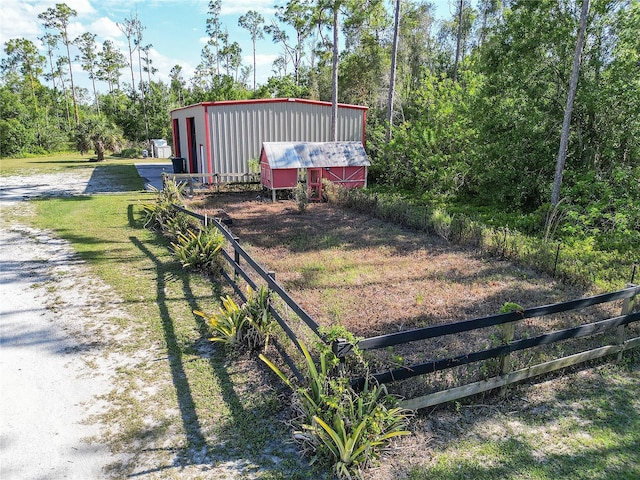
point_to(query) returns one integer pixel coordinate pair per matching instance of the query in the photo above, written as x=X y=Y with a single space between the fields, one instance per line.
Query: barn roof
x=315 y=154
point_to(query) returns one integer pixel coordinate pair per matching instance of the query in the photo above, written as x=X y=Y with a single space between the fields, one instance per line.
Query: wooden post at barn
x=621 y=332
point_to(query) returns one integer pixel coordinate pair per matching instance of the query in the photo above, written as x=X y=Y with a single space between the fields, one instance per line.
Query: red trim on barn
x=192 y=161
x=272 y=100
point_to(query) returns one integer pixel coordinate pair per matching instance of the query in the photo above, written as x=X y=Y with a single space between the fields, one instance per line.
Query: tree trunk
x=254 y=65
x=334 y=75
x=458 y=38
x=73 y=88
x=564 y=138
x=95 y=92
x=100 y=150
x=392 y=76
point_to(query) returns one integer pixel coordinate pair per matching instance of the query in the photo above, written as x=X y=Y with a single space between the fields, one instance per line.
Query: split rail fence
x=201 y=182
x=506 y=322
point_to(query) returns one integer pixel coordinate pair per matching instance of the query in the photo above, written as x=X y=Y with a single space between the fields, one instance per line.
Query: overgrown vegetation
x=577 y=261
x=337 y=424
x=200 y=249
x=161 y=216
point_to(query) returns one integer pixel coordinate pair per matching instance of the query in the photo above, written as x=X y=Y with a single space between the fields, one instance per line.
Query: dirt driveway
x=50 y=377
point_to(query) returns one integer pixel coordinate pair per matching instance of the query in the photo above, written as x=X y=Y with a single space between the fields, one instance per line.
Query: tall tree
x=88 y=57
x=129 y=29
x=148 y=68
x=564 y=138
x=298 y=14
x=58 y=18
x=230 y=56
x=328 y=16
x=458 y=39
x=214 y=30
x=23 y=58
x=252 y=21
x=111 y=63
x=177 y=83
x=392 y=75
x=50 y=43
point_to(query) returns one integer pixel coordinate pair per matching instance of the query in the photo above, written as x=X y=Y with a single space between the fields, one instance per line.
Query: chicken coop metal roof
x=315 y=154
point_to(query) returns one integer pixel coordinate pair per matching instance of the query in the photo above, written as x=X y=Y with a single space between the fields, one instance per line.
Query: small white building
x=222 y=137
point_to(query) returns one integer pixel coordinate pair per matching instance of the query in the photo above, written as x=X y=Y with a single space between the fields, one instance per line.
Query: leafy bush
x=199 y=250
x=247 y=326
x=161 y=214
x=348 y=428
x=301 y=198
x=130 y=153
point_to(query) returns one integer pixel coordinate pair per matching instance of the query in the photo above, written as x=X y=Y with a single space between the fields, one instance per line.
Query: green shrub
x=160 y=214
x=247 y=326
x=130 y=153
x=199 y=250
x=338 y=424
x=301 y=198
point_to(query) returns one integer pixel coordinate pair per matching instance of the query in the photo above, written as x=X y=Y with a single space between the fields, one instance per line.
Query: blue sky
x=175 y=28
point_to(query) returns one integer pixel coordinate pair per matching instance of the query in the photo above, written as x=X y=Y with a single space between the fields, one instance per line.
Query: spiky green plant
x=159 y=214
x=261 y=320
x=228 y=324
x=199 y=250
x=336 y=422
x=247 y=326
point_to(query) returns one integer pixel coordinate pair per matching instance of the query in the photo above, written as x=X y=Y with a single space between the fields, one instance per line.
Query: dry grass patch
x=376 y=278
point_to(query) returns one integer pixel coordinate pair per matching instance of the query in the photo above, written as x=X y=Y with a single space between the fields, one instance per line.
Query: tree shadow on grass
x=581 y=424
x=251 y=437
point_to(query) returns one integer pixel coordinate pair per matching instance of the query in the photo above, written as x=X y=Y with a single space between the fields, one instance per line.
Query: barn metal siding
x=237 y=130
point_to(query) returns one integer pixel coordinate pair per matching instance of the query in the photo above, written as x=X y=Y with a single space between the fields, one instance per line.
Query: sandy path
x=51 y=370
x=45 y=392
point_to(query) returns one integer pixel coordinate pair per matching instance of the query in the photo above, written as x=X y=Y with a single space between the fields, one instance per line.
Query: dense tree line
x=465 y=110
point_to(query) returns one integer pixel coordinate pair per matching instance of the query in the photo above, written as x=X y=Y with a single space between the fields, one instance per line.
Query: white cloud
x=164 y=65
x=105 y=28
x=19 y=19
x=261 y=59
x=264 y=7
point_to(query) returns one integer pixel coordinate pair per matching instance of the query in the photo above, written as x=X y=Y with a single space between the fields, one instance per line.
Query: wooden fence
x=202 y=182
x=236 y=261
x=505 y=321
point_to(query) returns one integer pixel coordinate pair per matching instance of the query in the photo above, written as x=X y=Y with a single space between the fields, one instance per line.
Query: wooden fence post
x=507 y=332
x=621 y=332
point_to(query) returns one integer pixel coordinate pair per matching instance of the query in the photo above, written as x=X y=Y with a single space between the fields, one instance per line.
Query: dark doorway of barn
x=191 y=140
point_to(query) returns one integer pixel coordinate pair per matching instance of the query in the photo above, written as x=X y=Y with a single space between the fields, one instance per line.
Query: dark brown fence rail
x=507 y=321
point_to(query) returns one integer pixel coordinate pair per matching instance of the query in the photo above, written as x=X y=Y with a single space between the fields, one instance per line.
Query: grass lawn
x=180 y=403
x=62 y=162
